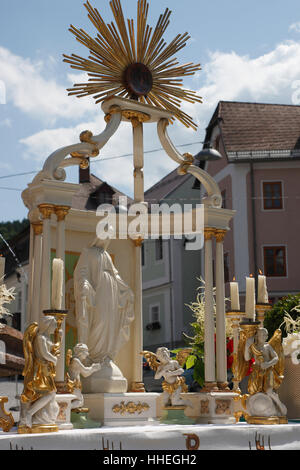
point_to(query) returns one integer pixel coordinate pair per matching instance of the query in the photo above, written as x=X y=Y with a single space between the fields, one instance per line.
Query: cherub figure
x=38 y=404
x=267 y=374
x=77 y=368
x=173 y=384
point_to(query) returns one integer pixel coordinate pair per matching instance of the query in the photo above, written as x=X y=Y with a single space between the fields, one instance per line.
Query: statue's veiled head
x=99 y=243
x=103 y=242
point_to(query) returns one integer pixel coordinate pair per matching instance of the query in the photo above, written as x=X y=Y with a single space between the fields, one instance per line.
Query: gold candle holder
x=261 y=310
x=235 y=316
x=59 y=315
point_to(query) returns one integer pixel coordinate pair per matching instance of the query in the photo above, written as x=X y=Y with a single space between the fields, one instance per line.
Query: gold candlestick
x=261 y=311
x=235 y=316
x=59 y=315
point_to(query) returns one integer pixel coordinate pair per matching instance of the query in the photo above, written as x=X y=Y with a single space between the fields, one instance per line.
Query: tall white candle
x=2 y=268
x=234 y=296
x=57 y=283
x=250 y=298
x=262 y=294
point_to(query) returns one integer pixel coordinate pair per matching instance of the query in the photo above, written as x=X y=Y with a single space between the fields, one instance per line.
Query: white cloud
x=116 y=171
x=295 y=27
x=29 y=90
x=228 y=76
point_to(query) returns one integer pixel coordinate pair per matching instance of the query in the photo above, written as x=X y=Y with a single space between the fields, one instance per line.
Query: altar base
x=122 y=409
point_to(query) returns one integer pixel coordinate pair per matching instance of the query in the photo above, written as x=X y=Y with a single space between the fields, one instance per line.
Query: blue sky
x=249 y=51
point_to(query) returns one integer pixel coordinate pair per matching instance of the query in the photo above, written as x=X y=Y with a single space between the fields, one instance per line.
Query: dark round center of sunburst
x=138 y=80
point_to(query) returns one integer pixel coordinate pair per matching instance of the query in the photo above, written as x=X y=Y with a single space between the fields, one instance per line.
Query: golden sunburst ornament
x=135 y=66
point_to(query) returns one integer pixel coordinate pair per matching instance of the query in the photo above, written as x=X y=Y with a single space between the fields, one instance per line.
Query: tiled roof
x=165 y=186
x=85 y=198
x=258 y=126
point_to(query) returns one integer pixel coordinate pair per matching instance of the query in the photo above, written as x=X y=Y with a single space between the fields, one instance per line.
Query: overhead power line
x=13 y=175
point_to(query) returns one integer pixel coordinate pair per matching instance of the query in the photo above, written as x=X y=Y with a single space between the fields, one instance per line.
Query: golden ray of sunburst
x=137 y=65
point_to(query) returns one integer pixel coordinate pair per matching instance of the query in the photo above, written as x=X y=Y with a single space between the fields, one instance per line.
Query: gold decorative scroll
x=130 y=407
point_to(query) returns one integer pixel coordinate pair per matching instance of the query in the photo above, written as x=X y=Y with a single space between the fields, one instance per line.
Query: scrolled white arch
x=214 y=198
x=53 y=166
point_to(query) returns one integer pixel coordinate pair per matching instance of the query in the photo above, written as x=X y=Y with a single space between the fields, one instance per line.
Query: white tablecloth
x=240 y=436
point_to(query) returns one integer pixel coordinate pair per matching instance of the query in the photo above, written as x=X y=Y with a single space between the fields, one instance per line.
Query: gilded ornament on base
x=130 y=407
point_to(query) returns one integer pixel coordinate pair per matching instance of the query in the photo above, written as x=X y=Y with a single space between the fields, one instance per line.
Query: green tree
x=275 y=316
x=10 y=229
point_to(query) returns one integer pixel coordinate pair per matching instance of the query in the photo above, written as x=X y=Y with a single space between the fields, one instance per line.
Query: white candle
x=2 y=268
x=57 y=283
x=234 y=296
x=250 y=298
x=262 y=295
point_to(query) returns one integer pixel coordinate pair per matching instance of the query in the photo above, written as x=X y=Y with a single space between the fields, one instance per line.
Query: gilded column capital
x=220 y=235
x=61 y=212
x=46 y=210
x=209 y=233
x=37 y=227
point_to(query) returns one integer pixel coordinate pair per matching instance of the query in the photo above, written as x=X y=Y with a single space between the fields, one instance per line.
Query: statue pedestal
x=217 y=407
x=122 y=409
x=63 y=419
x=81 y=420
x=175 y=415
x=109 y=379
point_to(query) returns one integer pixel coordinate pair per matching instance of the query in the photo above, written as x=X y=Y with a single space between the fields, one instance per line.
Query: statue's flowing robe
x=104 y=304
x=38 y=373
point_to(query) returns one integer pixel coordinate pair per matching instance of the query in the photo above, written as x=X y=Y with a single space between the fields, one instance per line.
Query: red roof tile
x=258 y=126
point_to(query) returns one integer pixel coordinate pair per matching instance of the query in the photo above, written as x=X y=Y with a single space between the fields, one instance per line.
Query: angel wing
x=240 y=366
x=151 y=358
x=28 y=372
x=276 y=344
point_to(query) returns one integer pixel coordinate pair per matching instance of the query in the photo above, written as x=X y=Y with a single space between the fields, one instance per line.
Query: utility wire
x=11 y=189
x=98 y=160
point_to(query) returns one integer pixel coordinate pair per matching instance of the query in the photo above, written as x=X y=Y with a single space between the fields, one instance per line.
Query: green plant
x=275 y=317
x=195 y=359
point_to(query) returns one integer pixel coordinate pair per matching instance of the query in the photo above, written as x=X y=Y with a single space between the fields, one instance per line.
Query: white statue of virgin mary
x=104 y=311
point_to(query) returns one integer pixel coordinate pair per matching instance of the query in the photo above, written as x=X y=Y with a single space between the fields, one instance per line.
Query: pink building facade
x=259 y=176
